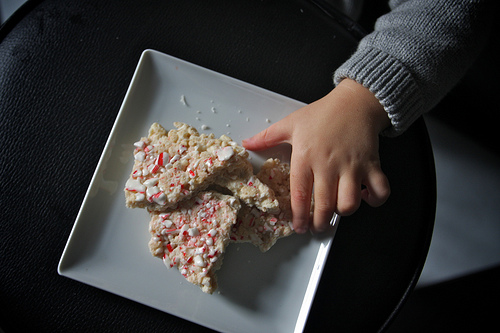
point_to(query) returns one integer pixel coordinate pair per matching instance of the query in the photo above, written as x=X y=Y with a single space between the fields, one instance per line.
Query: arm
x=417 y=53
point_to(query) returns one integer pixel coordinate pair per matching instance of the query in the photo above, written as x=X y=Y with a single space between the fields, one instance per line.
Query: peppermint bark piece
x=173 y=166
x=263 y=229
x=249 y=189
x=193 y=236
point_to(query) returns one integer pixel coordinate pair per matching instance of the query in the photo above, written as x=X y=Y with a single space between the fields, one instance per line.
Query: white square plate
x=108 y=246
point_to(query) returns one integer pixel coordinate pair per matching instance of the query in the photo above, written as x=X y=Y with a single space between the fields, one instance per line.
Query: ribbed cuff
x=390 y=81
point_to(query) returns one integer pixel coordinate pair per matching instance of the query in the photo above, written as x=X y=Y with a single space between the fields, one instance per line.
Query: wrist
x=366 y=103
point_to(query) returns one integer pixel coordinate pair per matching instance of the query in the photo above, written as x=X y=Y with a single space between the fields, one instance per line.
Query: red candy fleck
x=155 y=169
x=160 y=159
x=169 y=247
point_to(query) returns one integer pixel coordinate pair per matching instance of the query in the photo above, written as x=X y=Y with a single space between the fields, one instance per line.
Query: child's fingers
x=301 y=183
x=377 y=189
x=270 y=137
x=349 y=194
x=325 y=199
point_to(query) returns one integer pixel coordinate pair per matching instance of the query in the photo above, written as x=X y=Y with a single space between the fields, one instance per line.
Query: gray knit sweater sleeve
x=416 y=54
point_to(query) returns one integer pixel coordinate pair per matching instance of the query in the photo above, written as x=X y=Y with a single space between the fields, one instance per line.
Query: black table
x=65 y=68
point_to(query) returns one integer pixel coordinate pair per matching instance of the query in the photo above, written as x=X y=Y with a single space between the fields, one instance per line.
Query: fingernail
x=300 y=230
x=317 y=230
x=250 y=139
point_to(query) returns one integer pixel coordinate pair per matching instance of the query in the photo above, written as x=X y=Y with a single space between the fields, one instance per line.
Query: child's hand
x=335 y=146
